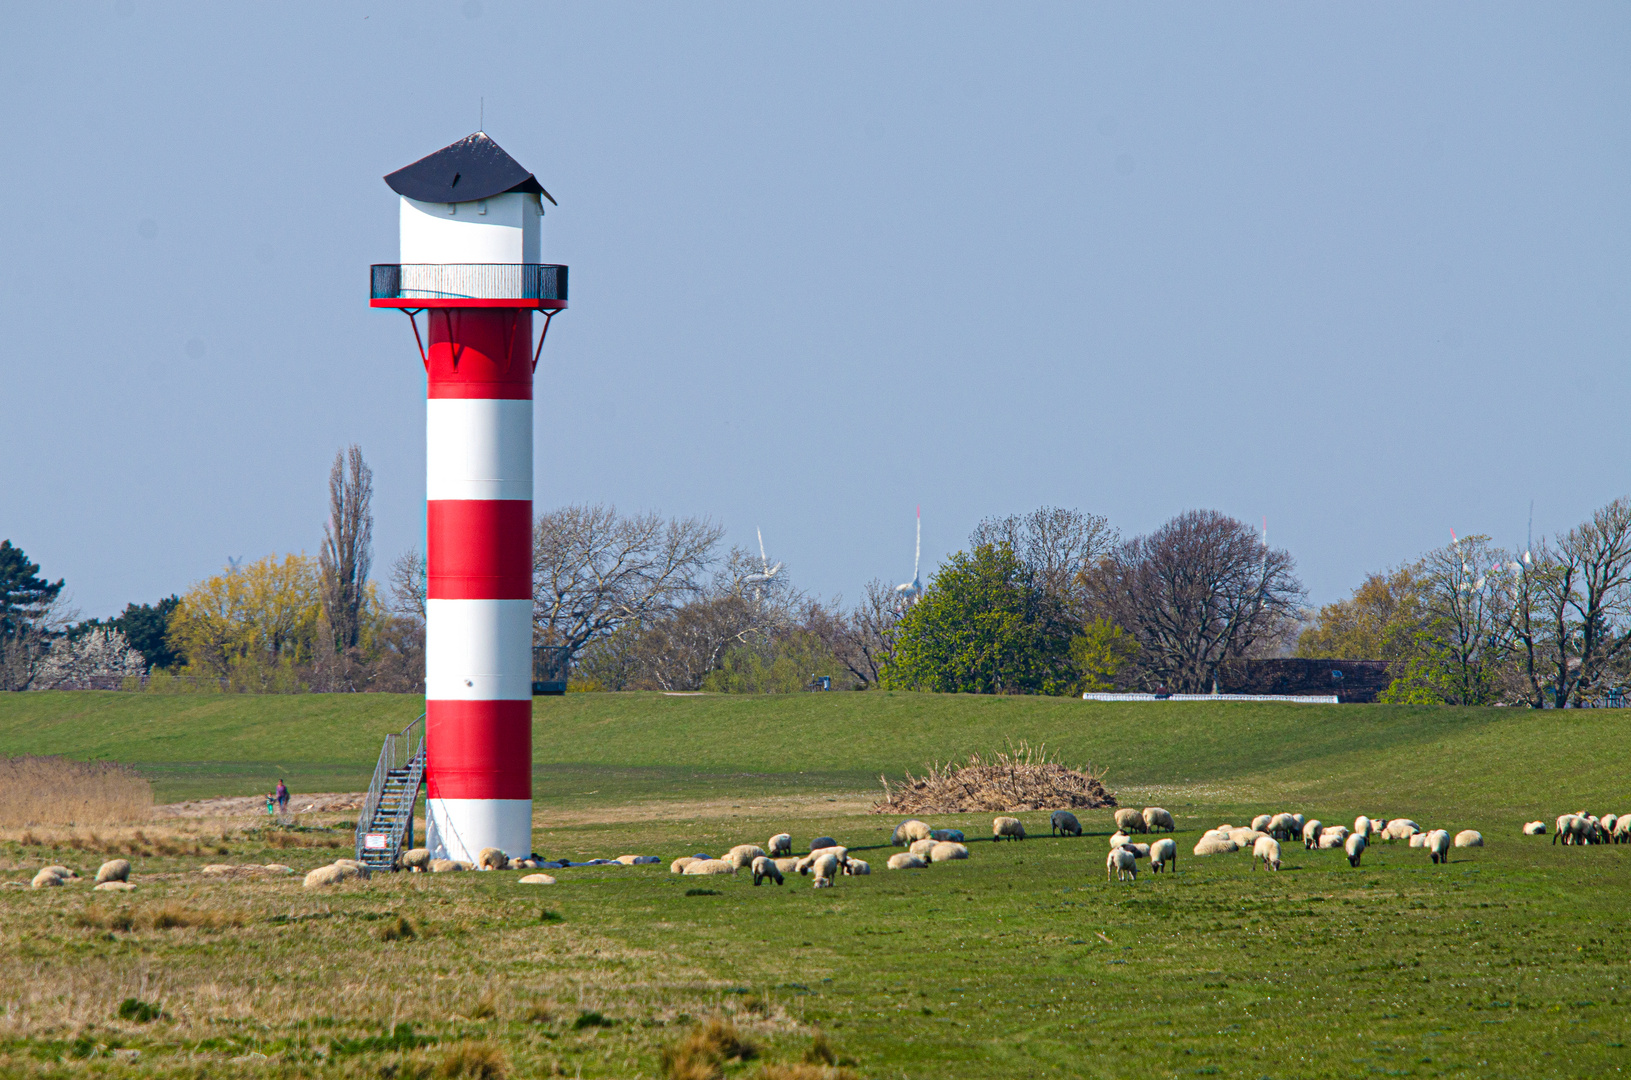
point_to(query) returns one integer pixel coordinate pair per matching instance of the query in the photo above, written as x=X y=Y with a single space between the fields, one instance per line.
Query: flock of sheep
x=1583 y=828
x=112 y=876
x=827 y=859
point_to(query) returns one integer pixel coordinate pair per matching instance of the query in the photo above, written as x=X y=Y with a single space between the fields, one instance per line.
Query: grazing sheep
x=1438 y=845
x=1211 y=845
x=1120 y=865
x=416 y=860
x=47 y=878
x=1562 y=829
x=1158 y=820
x=922 y=847
x=804 y=864
x=764 y=868
x=858 y=868
x=1418 y=839
x=1534 y=828
x=905 y=860
x=826 y=865
x=742 y=855
x=1130 y=820
x=828 y=842
x=949 y=836
x=1607 y=823
x=1163 y=852
x=1282 y=827
x=788 y=865
x=115 y=886
x=821 y=883
x=1355 y=847
x=1012 y=828
x=1064 y=822
x=1311 y=833
x=1267 y=849
x=1362 y=826
x=113 y=870
x=1401 y=829
x=445 y=866
x=1469 y=838
x=1140 y=851
x=946 y=851
x=492 y=858
x=907 y=831
x=780 y=844
x=1261 y=822
x=709 y=868
x=1622 y=829
x=1338 y=831
x=324 y=875
x=678 y=865
x=1118 y=839
x=1245 y=837
x=1297 y=821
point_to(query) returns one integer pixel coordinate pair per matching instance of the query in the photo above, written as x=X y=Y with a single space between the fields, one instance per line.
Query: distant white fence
x=1305 y=699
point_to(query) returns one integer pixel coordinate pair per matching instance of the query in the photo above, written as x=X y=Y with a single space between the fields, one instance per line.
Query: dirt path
x=230 y=806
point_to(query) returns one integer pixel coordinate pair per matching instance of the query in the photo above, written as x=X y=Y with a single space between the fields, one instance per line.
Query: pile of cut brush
x=1022 y=778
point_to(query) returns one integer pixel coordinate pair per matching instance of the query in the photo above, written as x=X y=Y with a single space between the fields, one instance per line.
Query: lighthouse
x=471 y=233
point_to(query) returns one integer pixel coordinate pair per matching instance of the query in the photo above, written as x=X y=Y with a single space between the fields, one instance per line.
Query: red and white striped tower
x=471 y=225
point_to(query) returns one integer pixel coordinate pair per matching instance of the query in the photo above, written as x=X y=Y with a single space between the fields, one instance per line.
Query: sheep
x=113 y=870
x=804 y=864
x=905 y=860
x=949 y=836
x=1338 y=831
x=822 y=842
x=1282 y=827
x=416 y=860
x=780 y=844
x=1355 y=847
x=1418 y=839
x=678 y=865
x=1261 y=822
x=922 y=847
x=1012 y=828
x=1118 y=839
x=1607 y=823
x=1267 y=849
x=1574 y=829
x=1534 y=828
x=1299 y=821
x=64 y=873
x=787 y=864
x=324 y=875
x=1401 y=829
x=1140 y=851
x=709 y=868
x=48 y=878
x=1362 y=826
x=1245 y=837
x=1158 y=820
x=1331 y=839
x=1622 y=829
x=764 y=868
x=1311 y=833
x=742 y=855
x=946 y=851
x=444 y=866
x=821 y=883
x=115 y=886
x=1120 y=865
x=535 y=879
x=1469 y=838
x=858 y=868
x=492 y=858
x=1064 y=822
x=1130 y=820
x=1163 y=853
x=1210 y=845
x=1438 y=845
x=826 y=865
x=909 y=830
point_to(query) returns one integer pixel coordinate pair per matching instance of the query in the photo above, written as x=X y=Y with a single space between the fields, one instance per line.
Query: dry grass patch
x=701 y=1053
x=57 y=791
x=168 y=916
x=474 y=1061
x=1018 y=779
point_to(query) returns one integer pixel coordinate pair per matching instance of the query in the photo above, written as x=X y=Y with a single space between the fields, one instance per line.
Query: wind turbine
x=766 y=571
x=914 y=588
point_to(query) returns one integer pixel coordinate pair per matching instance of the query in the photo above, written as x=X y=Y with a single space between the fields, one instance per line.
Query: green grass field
x=1510 y=961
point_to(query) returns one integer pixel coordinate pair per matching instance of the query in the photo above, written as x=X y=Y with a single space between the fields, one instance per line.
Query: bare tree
x=1464 y=644
x=348 y=537
x=1058 y=546
x=409 y=584
x=1200 y=590
x=595 y=571
x=864 y=639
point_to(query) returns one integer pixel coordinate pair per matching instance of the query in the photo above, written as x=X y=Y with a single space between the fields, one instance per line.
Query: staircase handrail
x=399 y=749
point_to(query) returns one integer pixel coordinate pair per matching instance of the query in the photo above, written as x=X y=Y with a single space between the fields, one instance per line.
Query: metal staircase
x=385 y=826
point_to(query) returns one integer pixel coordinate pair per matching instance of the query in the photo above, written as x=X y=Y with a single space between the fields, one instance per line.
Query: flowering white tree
x=100 y=653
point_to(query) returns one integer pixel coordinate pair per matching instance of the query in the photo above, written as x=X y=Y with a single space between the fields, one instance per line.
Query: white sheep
x=1362 y=827
x=1622 y=829
x=1120 y=865
x=907 y=831
x=1118 y=839
x=1534 y=828
x=47 y=878
x=821 y=883
x=787 y=864
x=1338 y=831
x=764 y=868
x=1355 y=847
x=1330 y=838
x=492 y=858
x=678 y=865
x=947 y=851
x=536 y=879
x=445 y=866
x=905 y=860
x=1130 y=820
x=922 y=847
x=1268 y=849
x=113 y=870
x=1012 y=828
x=1438 y=845
x=1064 y=822
x=1245 y=837
x=742 y=855
x=64 y=873
x=1282 y=827
x=1211 y=845
x=804 y=865
x=1400 y=829
x=1297 y=822
x=780 y=844
x=709 y=868
x=1163 y=853
x=416 y=860
x=857 y=868
x=324 y=875
x=1261 y=822
x=115 y=886
x=1418 y=839
x=1311 y=833
x=826 y=865
x=1469 y=838
x=1607 y=823
x=1158 y=820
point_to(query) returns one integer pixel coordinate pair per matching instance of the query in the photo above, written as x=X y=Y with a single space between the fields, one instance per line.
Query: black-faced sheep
x=1438 y=845
x=1120 y=865
x=1163 y=853
x=1362 y=826
x=764 y=868
x=1063 y=822
x=1534 y=828
x=780 y=844
x=1311 y=833
x=1355 y=847
x=857 y=867
x=1282 y=827
x=1010 y=827
x=1158 y=820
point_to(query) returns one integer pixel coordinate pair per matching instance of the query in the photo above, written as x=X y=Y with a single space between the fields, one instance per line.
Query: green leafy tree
x=783 y=664
x=1102 y=654
x=982 y=627
x=24 y=595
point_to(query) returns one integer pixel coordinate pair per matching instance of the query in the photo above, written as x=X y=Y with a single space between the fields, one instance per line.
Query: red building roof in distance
x=473 y=168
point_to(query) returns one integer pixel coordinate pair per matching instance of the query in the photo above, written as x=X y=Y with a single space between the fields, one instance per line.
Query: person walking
x=282 y=799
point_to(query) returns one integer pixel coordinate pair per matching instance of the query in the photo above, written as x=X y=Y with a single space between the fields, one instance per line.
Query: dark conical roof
x=473 y=168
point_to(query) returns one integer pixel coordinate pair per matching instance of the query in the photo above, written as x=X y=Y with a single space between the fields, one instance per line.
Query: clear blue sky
x=1363 y=269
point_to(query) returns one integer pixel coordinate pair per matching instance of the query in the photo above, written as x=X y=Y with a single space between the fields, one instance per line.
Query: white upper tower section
x=470 y=203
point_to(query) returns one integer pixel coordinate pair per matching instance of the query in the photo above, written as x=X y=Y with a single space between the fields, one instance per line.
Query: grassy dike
x=1022 y=961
